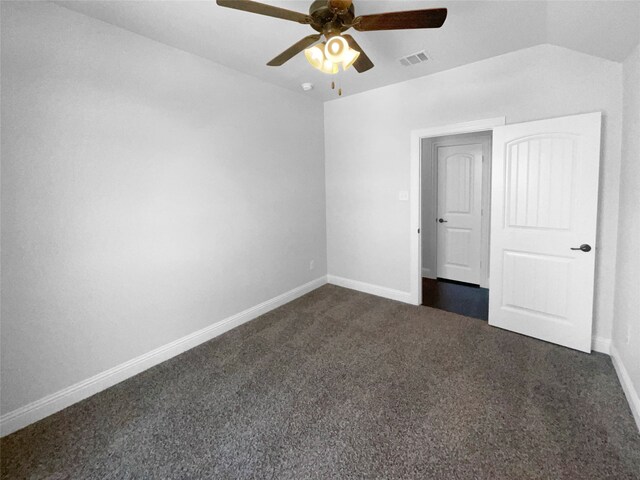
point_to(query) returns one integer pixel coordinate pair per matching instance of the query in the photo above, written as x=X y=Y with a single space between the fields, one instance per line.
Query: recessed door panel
x=459 y=242
x=539 y=181
x=537 y=283
x=459 y=180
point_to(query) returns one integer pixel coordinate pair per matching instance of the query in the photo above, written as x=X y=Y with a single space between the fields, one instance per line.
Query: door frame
x=415 y=207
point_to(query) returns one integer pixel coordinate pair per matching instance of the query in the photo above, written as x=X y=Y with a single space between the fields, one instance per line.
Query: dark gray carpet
x=340 y=384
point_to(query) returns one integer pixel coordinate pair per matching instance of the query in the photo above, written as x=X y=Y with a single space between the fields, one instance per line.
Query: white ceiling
x=474 y=30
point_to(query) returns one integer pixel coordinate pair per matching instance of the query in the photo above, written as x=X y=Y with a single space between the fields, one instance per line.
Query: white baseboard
x=602 y=345
x=23 y=416
x=377 y=290
x=625 y=380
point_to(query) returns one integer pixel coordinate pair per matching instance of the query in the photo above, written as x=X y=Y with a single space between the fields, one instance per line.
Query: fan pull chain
x=333 y=87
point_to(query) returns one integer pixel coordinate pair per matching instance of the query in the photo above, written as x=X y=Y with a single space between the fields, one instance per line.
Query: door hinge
x=418 y=230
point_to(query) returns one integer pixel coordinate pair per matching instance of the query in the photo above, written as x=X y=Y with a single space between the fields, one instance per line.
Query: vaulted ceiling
x=474 y=30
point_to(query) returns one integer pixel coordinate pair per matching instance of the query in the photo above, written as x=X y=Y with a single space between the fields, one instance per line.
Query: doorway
x=417 y=214
x=455 y=197
x=543 y=224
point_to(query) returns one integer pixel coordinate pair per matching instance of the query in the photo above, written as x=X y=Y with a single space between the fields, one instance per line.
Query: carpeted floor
x=340 y=384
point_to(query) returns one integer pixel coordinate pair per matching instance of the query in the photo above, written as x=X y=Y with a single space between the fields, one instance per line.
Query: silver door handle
x=584 y=247
x=442 y=220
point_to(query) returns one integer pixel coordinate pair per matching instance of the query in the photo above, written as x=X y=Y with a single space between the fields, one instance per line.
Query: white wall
x=146 y=193
x=626 y=327
x=367 y=150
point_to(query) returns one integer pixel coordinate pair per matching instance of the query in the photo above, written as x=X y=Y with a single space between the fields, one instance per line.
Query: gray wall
x=428 y=208
x=146 y=194
x=626 y=327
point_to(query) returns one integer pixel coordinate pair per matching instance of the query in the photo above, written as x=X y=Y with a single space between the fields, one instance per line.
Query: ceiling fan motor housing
x=328 y=21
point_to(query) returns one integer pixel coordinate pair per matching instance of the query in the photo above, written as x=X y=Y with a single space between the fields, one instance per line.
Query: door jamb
x=415 y=253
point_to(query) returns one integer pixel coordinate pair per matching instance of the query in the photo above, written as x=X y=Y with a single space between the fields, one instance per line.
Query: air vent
x=414 y=58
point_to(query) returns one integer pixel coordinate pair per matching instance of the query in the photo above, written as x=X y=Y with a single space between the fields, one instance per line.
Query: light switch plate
x=403 y=196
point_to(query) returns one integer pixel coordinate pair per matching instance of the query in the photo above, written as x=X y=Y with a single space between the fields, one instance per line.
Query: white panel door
x=543 y=209
x=459 y=212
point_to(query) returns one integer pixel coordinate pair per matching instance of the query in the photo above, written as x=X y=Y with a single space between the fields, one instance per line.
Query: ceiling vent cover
x=414 y=58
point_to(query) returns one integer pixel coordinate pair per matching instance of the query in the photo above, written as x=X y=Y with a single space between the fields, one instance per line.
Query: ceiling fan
x=331 y=18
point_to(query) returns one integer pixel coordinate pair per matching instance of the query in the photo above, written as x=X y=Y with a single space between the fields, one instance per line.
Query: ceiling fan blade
x=294 y=49
x=263 y=9
x=363 y=63
x=430 y=18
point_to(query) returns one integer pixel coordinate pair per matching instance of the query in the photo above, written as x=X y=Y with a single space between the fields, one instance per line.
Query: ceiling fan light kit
x=336 y=48
x=350 y=58
x=315 y=56
x=332 y=18
x=338 y=51
x=326 y=57
x=330 y=68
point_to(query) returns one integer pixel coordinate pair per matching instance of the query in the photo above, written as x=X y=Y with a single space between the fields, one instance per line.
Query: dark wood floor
x=462 y=298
